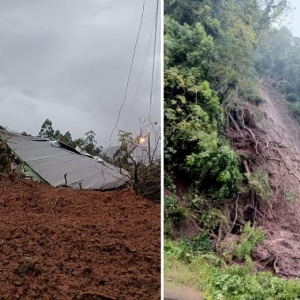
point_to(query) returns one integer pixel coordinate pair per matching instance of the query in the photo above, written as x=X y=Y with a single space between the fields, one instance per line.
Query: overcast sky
x=295 y=18
x=69 y=61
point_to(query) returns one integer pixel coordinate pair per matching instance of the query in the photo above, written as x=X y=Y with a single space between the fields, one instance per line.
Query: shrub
x=249 y=239
x=200 y=243
x=223 y=282
x=217 y=170
x=236 y=283
x=295 y=108
x=259 y=183
x=255 y=99
x=292 y=97
x=173 y=211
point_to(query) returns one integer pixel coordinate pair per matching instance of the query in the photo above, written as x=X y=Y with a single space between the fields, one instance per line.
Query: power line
x=140 y=75
x=129 y=75
x=157 y=85
x=154 y=56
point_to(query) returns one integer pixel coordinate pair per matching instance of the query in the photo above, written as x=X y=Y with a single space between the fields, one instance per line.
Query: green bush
x=200 y=243
x=292 y=97
x=285 y=87
x=173 y=211
x=255 y=99
x=236 y=283
x=217 y=170
x=249 y=239
x=258 y=182
x=295 y=108
x=178 y=250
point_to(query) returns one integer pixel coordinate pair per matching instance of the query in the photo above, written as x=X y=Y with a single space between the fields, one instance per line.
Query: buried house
x=59 y=164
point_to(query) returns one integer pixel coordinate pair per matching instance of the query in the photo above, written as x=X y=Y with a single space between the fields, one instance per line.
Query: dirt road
x=173 y=291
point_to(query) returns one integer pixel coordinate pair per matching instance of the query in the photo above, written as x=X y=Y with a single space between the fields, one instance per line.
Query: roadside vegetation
x=220 y=281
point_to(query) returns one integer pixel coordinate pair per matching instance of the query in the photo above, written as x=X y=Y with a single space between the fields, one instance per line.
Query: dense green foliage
x=210 y=68
x=278 y=57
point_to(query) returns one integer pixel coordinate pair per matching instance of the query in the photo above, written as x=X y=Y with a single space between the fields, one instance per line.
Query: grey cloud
x=69 y=61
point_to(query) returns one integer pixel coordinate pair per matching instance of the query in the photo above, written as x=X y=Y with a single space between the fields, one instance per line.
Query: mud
x=280 y=252
x=66 y=244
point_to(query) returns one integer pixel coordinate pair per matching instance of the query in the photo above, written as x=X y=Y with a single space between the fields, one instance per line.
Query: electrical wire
x=144 y=63
x=154 y=56
x=129 y=75
x=156 y=86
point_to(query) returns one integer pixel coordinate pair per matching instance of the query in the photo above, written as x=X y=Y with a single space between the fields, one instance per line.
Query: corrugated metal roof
x=52 y=163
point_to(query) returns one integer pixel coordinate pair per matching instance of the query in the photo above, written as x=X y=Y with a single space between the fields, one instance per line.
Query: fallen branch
x=246 y=167
x=236 y=125
x=273 y=158
x=275 y=268
x=236 y=213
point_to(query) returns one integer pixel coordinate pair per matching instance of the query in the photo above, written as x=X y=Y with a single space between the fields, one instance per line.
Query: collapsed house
x=58 y=164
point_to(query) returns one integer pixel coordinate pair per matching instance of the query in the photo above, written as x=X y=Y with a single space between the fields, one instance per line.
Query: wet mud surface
x=280 y=252
x=66 y=244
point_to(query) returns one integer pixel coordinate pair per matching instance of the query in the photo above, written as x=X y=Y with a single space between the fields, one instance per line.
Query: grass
x=208 y=273
x=181 y=267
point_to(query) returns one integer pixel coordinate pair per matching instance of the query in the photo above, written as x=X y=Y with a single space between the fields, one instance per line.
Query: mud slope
x=281 y=250
x=66 y=244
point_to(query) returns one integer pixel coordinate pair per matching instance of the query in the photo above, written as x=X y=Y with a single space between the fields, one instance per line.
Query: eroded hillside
x=281 y=250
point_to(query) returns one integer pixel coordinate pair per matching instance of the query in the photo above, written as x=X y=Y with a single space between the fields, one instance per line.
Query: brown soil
x=281 y=250
x=57 y=243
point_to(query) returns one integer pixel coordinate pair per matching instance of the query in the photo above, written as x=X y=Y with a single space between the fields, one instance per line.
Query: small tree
x=140 y=158
x=7 y=159
x=25 y=133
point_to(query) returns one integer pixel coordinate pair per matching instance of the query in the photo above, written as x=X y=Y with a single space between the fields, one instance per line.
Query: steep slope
x=281 y=249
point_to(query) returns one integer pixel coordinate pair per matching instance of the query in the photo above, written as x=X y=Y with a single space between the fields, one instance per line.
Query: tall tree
x=47 y=130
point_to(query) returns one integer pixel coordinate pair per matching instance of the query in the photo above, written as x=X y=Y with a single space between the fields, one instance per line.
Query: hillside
x=280 y=250
x=58 y=243
x=232 y=148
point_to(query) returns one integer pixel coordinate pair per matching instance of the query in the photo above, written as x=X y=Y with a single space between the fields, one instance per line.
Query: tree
x=141 y=162
x=210 y=70
x=47 y=130
x=26 y=134
x=90 y=138
x=90 y=144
